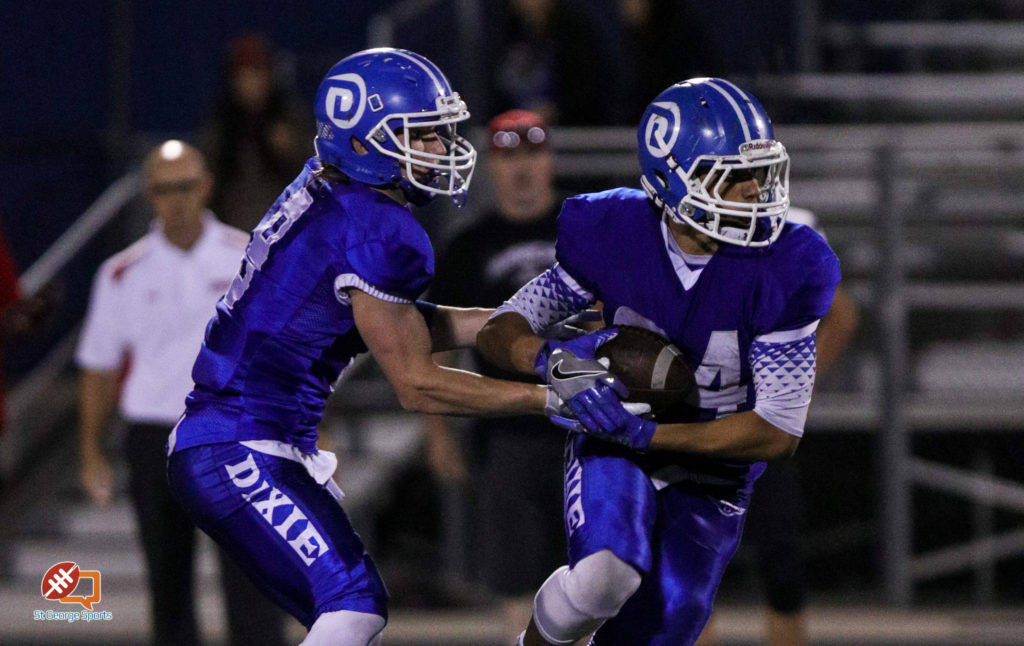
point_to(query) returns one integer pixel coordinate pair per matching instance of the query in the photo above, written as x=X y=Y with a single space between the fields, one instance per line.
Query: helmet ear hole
x=661 y=179
x=358 y=147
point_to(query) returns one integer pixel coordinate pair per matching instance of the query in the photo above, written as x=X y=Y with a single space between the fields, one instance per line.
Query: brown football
x=653 y=369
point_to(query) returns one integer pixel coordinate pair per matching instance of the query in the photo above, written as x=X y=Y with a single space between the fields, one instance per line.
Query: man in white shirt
x=147 y=314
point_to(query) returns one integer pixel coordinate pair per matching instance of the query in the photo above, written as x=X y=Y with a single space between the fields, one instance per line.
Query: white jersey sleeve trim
x=788 y=336
x=784 y=380
x=344 y=281
x=551 y=297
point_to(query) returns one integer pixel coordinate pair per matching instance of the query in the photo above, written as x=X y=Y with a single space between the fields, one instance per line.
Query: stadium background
x=908 y=146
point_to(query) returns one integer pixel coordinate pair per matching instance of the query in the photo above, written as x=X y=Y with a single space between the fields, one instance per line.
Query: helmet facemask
x=428 y=174
x=748 y=224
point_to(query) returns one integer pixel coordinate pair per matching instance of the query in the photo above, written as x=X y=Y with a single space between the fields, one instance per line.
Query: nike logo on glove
x=561 y=375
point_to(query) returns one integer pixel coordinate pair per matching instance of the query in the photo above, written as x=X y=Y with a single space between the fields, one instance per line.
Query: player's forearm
x=456 y=327
x=448 y=391
x=97 y=398
x=508 y=342
x=742 y=436
x=402 y=345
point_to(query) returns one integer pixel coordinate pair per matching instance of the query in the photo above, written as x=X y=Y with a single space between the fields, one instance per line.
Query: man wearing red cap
x=517 y=460
x=252 y=135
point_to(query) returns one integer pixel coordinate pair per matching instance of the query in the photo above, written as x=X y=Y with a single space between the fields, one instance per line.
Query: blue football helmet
x=697 y=138
x=377 y=97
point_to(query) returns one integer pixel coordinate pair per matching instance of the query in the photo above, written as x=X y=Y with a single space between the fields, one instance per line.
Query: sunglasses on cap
x=532 y=137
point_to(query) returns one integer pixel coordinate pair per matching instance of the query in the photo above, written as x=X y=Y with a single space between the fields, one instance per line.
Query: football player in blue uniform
x=333 y=270
x=703 y=256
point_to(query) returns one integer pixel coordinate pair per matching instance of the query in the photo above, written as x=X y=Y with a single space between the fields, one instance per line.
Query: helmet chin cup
x=415 y=195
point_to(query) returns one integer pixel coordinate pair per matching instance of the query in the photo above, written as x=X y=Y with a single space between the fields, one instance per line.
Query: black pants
x=169 y=540
x=774 y=528
x=520 y=531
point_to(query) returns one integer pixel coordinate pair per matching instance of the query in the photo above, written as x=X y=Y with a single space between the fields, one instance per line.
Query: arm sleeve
x=101 y=346
x=800 y=292
x=783 y=365
x=393 y=272
x=580 y=240
x=547 y=299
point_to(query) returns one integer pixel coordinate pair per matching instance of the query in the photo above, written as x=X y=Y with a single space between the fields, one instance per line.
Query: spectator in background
x=661 y=41
x=19 y=314
x=551 y=57
x=252 y=137
x=147 y=313
x=775 y=518
x=516 y=461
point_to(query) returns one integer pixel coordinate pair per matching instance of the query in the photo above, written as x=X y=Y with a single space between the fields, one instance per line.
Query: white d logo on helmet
x=349 y=90
x=662 y=125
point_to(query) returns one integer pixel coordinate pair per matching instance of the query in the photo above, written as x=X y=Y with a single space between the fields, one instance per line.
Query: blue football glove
x=562 y=414
x=583 y=346
x=601 y=413
x=571 y=327
x=559 y=411
x=570 y=367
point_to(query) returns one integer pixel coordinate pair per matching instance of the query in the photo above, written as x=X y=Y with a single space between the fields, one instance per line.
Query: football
x=653 y=369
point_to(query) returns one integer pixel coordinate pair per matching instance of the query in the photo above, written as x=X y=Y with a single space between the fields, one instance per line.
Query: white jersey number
x=718 y=376
x=267 y=233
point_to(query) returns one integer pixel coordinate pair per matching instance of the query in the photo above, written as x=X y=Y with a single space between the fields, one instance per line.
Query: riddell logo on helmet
x=758 y=145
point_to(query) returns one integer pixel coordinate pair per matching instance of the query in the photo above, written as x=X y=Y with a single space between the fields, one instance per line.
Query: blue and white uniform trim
x=784 y=365
x=551 y=297
x=721 y=86
x=344 y=281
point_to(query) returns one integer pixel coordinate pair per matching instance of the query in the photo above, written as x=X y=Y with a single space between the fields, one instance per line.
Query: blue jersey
x=284 y=331
x=613 y=245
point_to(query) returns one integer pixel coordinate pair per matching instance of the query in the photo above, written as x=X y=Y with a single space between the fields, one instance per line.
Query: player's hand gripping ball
x=654 y=370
